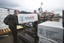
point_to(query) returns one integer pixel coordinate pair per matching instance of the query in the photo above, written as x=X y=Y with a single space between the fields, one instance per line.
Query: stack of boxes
x=50 y=32
x=3 y=13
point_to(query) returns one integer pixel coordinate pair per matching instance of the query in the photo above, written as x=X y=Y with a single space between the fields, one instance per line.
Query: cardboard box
x=43 y=40
x=26 y=18
x=3 y=14
x=52 y=30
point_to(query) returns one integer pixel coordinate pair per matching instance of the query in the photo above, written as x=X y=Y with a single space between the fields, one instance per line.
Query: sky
x=31 y=5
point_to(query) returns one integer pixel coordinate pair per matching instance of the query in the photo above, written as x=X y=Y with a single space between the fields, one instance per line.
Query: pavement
x=21 y=39
x=7 y=39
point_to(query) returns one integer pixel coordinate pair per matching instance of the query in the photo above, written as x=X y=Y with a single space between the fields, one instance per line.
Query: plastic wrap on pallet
x=43 y=40
x=52 y=30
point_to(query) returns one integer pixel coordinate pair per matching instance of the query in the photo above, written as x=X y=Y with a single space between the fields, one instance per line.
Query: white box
x=52 y=30
x=3 y=14
x=43 y=40
x=11 y=11
x=26 y=18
